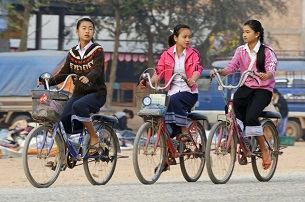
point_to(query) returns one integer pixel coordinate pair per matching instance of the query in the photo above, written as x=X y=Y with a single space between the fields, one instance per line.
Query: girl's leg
x=93 y=136
x=81 y=110
x=266 y=156
x=179 y=104
x=259 y=100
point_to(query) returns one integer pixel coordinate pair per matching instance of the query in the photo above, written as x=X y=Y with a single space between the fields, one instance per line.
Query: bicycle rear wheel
x=272 y=140
x=220 y=163
x=42 y=159
x=192 y=158
x=148 y=157
x=100 y=167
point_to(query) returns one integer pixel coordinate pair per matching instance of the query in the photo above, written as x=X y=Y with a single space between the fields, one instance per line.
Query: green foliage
x=207 y=19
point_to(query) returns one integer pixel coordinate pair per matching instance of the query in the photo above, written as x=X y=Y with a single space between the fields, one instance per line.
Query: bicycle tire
x=148 y=162
x=220 y=164
x=99 y=170
x=271 y=135
x=40 y=169
x=192 y=157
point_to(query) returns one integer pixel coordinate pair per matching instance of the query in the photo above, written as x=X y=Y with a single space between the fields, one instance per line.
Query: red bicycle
x=153 y=150
x=225 y=134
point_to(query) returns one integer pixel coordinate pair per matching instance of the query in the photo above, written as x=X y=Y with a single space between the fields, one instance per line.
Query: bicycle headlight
x=146 y=101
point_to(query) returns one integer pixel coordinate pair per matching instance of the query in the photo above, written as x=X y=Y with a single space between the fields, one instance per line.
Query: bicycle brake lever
x=185 y=80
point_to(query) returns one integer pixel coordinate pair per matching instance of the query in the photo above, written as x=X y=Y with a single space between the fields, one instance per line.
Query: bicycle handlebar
x=147 y=76
x=63 y=86
x=242 y=79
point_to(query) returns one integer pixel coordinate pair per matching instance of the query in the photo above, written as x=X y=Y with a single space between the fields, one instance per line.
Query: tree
x=124 y=12
x=23 y=14
x=207 y=19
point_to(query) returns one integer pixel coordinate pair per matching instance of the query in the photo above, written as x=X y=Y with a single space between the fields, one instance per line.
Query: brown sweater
x=91 y=66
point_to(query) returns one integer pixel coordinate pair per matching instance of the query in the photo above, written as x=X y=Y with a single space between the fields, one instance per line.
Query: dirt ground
x=12 y=174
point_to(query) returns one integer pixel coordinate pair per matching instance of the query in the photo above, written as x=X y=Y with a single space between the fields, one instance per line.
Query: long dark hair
x=256 y=26
x=83 y=20
x=176 y=33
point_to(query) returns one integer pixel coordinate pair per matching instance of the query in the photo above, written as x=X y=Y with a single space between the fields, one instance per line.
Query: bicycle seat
x=197 y=116
x=270 y=114
x=100 y=117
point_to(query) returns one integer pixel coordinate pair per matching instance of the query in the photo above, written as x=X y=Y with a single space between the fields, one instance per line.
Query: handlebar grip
x=86 y=84
x=185 y=80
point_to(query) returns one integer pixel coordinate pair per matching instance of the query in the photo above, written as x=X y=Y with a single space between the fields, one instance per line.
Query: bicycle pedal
x=243 y=161
x=172 y=162
x=49 y=164
x=63 y=167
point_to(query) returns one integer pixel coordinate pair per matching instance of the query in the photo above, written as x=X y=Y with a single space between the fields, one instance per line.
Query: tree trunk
x=114 y=63
x=150 y=52
x=25 y=26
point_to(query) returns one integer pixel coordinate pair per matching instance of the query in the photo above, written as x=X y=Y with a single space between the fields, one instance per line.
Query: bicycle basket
x=48 y=105
x=158 y=107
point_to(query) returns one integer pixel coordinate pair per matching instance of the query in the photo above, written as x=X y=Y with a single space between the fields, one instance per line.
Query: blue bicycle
x=49 y=150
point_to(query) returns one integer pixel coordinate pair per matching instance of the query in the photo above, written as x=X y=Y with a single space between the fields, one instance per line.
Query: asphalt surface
x=282 y=187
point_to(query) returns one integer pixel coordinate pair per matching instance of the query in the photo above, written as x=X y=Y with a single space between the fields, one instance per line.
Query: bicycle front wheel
x=272 y=143
x=220 y=160
x=100 y=167
x=148 y=155
x=192 y=158
x=42 y=158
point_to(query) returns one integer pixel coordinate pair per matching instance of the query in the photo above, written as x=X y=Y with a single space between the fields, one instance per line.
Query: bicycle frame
x=74 y=152
x=169 y=145
x=231 y=119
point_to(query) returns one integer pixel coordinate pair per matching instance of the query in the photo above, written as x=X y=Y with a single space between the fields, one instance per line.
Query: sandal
x=185 y=138
x=267 y=162
x=93 y=149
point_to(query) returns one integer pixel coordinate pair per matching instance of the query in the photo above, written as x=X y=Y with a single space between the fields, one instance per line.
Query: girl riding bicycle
x=179 y=58
x=251 y=98
x=87 y=61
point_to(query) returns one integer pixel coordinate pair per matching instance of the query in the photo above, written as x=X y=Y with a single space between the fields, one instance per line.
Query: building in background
x=287 y=31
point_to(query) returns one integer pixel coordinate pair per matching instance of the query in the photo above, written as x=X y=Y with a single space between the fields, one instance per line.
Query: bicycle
x=153 y=150
x=225 y=134
x=48 y=150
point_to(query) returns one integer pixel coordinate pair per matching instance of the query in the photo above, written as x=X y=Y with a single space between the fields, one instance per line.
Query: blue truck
x=290 y=81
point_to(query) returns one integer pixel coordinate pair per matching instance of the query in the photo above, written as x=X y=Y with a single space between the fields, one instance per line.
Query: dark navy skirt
x=176 y=115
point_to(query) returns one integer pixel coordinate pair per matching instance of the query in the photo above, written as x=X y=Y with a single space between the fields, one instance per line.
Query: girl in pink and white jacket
x=179 y=58
x=251 y=98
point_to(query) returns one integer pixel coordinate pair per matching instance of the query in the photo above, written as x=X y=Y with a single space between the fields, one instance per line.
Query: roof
x=284 y=64
x=19 y=71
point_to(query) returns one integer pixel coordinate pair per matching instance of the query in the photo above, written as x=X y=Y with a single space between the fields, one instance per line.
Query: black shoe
x=185 y=138
x=175 y=143
x=165 y=168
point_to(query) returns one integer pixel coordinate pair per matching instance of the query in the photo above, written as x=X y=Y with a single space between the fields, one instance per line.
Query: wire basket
x=48 y=105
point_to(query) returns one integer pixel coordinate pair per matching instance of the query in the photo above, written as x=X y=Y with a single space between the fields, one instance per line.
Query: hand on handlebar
x=263 y=76
x=84 y=80
x=190 y=82
x=142 y=84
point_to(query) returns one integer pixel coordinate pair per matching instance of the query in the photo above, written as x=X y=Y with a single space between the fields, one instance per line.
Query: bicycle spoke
x=192 y=158
x=42 y=163
x=220 y=160
x=148 y=155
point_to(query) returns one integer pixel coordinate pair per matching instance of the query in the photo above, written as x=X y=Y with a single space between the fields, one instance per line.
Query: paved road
x=283 y=187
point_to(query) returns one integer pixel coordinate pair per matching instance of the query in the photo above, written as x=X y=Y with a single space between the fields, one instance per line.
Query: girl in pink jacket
x=179 y=58
x=251 y=98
